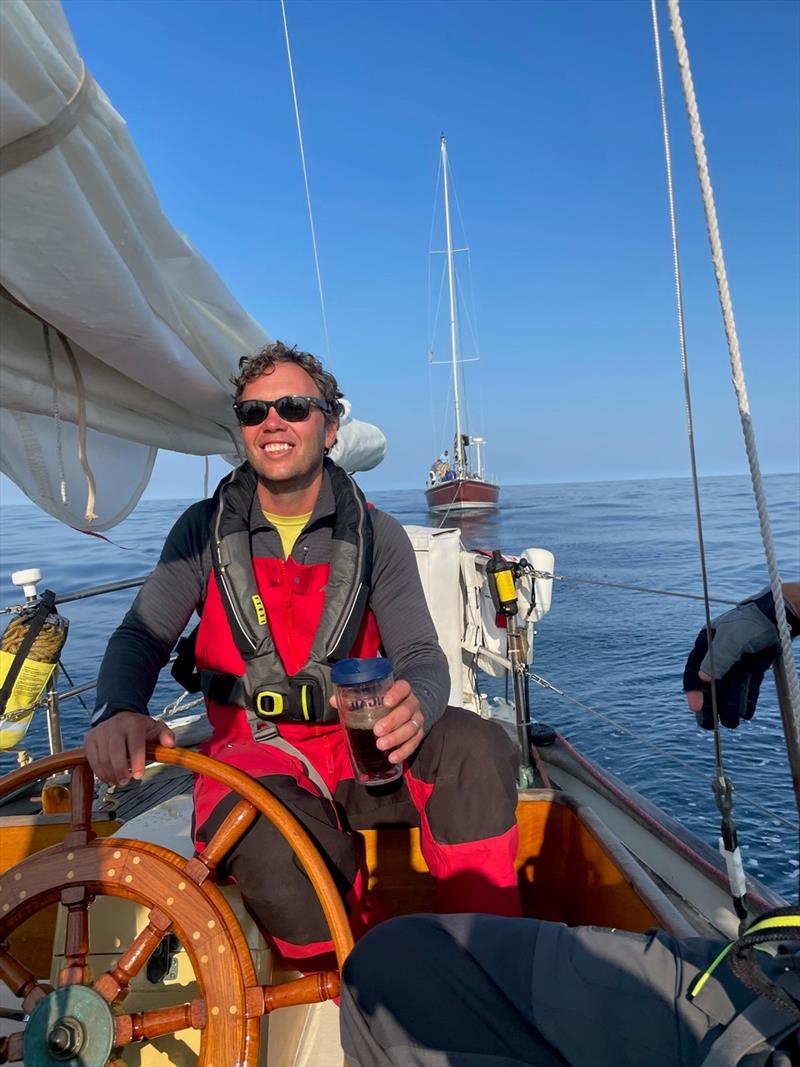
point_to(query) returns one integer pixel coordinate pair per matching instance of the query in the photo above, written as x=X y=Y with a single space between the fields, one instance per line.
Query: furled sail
x=117 y=337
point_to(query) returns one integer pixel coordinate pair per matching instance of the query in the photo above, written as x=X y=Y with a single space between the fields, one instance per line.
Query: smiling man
x=290 y=570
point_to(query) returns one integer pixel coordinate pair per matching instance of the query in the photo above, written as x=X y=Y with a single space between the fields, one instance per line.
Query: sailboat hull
x=462 y=494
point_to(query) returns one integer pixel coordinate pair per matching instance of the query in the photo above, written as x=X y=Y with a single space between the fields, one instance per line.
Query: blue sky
x=551 y=114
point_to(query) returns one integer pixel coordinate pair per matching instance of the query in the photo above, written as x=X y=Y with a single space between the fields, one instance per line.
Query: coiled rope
x=46 y=646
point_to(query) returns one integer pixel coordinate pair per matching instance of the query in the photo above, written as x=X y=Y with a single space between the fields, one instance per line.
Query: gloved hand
x=745 y=643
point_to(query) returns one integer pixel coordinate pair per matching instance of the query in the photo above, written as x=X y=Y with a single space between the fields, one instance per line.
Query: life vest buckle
x=269 y=704
x=308 y=700
x=305 y=702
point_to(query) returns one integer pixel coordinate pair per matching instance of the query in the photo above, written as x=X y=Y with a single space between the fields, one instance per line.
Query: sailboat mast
x=451 y=277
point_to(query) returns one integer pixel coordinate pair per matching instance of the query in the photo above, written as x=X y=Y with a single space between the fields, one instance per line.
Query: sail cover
x=117 y=337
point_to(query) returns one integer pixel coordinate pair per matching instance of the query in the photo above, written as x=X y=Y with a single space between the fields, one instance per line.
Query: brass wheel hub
x=70 y=1027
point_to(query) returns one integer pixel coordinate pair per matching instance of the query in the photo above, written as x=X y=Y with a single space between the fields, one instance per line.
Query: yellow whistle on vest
x=260 y=610
x=261 y=614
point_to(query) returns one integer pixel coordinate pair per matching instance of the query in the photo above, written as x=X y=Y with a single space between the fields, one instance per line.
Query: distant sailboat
x=457 y=486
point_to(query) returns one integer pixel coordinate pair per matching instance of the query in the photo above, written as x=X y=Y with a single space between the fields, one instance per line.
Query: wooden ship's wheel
x=83 y=1020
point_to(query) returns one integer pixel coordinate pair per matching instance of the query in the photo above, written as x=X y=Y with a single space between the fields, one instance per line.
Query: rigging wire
x=430 y=246
x=726 y=304
x=430 y=355
x=721 y=786
x=305 y=181
x=66 y=674
x=438 y=309
x=687 y=392
x=465 y=305
x=471 y=320
x=466 y=302
x=434 y=325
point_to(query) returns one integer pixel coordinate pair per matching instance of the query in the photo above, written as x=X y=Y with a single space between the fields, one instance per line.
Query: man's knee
x=392 y=950
x=472 y=766
x=269 y=875
x=463 y=738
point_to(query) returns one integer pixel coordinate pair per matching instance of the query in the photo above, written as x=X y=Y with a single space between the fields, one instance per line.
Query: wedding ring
x=417 y=725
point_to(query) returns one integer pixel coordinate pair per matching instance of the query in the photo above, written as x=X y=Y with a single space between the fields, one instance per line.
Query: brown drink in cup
x=360 y=688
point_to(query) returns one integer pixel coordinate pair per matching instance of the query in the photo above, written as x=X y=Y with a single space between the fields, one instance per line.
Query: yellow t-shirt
x=289 y=527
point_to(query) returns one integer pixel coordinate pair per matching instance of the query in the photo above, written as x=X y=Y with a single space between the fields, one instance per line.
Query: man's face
x=288 y=454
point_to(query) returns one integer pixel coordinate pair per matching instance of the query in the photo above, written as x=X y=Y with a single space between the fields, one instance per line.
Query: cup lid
x=360 y=671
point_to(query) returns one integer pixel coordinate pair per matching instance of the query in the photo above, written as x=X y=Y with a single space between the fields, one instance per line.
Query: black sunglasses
x=289 y=408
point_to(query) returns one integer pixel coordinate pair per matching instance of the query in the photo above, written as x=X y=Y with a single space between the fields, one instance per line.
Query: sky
x=552 y=118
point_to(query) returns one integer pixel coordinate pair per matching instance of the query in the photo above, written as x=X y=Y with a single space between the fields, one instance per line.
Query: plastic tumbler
x=360 y=688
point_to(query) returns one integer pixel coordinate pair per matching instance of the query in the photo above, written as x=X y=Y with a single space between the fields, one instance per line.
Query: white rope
x=735 y=356
x=305 y=180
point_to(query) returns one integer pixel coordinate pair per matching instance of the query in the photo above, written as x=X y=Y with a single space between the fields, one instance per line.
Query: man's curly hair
x=253 y=367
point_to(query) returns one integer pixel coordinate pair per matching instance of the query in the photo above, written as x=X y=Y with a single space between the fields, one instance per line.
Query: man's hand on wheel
x=116 y=748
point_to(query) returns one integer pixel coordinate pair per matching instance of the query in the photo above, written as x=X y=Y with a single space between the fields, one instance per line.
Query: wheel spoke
x=11 y=1048
x=76 y=900
x=113 y=985
x=263 y=999
x=81 y=798
x=147 y=1025
x=21 y=981
x=229 y=834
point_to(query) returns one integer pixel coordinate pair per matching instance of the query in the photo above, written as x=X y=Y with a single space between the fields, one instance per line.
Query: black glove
x=745 y=644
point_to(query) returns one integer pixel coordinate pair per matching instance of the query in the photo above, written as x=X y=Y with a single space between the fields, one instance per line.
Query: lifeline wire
x=543 y=683
x=305 y=180
x=547 y=575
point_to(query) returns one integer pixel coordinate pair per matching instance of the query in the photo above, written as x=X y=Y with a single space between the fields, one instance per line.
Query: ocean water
x=619 y=652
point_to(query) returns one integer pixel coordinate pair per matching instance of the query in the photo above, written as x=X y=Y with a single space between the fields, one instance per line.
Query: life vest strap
x=298 y=698
x=267 y=734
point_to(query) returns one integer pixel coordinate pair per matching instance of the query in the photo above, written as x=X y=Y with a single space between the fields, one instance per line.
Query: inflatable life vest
x=769 y=1021
x=266 y=691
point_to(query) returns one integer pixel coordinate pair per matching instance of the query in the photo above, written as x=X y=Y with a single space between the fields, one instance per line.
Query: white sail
x=152 y=332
